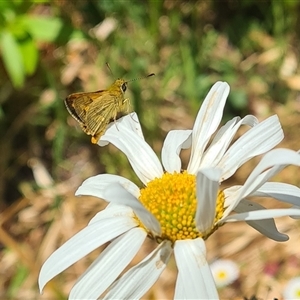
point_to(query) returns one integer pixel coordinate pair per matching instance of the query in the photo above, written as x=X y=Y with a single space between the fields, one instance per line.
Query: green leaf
x=1 y=113
x=43 y=29
x=12 y=58
x=30 y=55
x=238 y=99
x=16 y=281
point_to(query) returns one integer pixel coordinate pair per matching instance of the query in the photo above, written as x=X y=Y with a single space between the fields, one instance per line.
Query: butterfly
x=95 y=110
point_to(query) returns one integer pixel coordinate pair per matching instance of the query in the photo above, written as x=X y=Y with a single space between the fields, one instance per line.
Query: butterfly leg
x=127 y=106
x=115 y=120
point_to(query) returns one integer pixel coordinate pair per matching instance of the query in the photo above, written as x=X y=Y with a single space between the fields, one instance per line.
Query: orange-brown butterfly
x=95 y=110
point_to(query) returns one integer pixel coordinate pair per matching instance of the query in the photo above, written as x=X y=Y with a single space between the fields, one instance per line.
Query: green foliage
x=19 y=52
x=41 y=28
x=20 y=34
x=12 y=57
x=20 y=276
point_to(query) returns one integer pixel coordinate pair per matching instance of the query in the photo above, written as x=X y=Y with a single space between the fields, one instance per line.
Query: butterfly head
x=120 y=84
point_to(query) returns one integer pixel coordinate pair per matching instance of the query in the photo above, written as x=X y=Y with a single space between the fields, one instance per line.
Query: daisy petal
x=96 y=185
x=174 y=142
x=108 y=266
x=84 y=242
x=207 y=190
x=262 y=214
x=295 y=217
x=266 y=227
x=112 y=211
x=130 y=121
x=139 y=279
x=140 y=155
x=256 y=141
x=230 y=194
x=179 y=288
x=133 y=123
x=190 y=256
x=282 y=191
x=207 y=121
x=119 y=195
x=223 y=138
x=270 y=165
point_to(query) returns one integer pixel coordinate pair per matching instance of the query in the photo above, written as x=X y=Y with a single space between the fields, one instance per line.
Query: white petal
x=108 y=266
x=207 y=121
x=140 y=155
x=132 y=122
x=223 y=138
x=266 y=227
x=84 y=242
x=179 y=288
x=174 y=142
x=271 y=164
x=112 y=211
x=282 y=191
x=96 y=185
x=116 y=194
x=255 y=141
x=231 y=194
x=139 y=279
x=194 y=275
x=262 y=214
x=207 y=191
x=297 y=207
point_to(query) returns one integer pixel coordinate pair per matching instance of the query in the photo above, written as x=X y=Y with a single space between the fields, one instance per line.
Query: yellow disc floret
x=172 y=200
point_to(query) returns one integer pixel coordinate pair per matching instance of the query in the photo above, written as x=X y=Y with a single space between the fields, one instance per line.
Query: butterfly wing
x=78 y=104
x=94 y=111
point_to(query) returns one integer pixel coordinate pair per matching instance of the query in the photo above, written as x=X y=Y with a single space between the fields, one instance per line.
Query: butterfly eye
x=124 y=87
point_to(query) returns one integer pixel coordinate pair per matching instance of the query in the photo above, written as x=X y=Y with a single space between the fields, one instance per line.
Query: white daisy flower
x=292 y=289
x=179 y=209
x=224 y=271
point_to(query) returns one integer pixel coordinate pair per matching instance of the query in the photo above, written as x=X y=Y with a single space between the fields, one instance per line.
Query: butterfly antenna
x=108 y=66
x=152 y=74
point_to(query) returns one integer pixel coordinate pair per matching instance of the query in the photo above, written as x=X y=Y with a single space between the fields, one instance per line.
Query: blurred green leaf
x=4 y=5
x=1 y=113
x=238 y=99
x=43 y=29
x=20 y=275
x=12 y=58
x=30 y=55
x=188 y=71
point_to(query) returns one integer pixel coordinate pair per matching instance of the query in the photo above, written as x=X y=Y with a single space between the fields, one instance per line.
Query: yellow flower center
x=172 y=200
x=222 y=275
